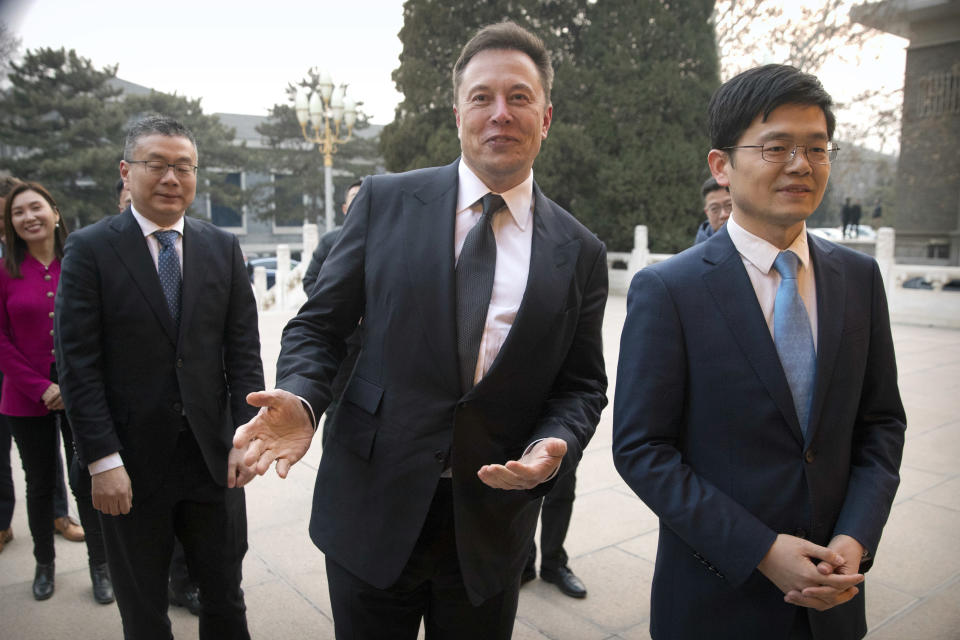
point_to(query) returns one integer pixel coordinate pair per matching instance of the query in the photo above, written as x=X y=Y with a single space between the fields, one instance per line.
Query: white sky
x=239 y=55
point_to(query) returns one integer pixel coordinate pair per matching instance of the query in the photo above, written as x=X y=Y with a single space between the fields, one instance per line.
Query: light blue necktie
x=793 y=337
x=168 y=266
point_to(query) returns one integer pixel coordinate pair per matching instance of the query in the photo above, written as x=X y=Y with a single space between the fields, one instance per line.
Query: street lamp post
x=326 y=109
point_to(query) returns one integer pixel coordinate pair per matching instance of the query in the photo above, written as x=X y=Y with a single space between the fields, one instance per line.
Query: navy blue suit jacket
x=705 y=432
x=403 y=417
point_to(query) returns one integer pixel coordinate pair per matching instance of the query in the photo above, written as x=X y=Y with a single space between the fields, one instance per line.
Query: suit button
x=800 y=533
x=51 y=331
x=177 y=407
x=809 y=456
x=49 y=294
x=439 y=455
x=50 y=315
x=179 y=363
x=46 y=276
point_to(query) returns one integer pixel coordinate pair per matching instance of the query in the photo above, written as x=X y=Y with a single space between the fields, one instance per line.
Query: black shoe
x=529 y=573
x=102 y=586
x=43 y=582
x=189 y=598
x=566 y=581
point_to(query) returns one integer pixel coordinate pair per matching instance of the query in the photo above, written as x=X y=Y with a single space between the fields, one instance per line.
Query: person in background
x=29 y=279
x=326 y=243
x=123 y=196
x=717 y=205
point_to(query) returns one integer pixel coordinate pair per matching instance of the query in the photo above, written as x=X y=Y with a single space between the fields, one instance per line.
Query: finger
x=264 y=461
x=262 y=398
x=283 y=467
x=823 y=553
x=254 y=450
x=829 y=593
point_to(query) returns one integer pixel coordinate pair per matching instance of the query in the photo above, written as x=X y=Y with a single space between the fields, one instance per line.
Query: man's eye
x=818 y=150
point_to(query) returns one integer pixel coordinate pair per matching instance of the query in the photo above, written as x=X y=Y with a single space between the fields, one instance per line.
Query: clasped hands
x=282 y=430
x=813 y=576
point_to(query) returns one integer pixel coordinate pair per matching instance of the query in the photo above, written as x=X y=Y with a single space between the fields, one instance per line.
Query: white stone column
x=641 y=249
x=884 y=250
x=260 y=287
x=310 y=239
x=283 y=274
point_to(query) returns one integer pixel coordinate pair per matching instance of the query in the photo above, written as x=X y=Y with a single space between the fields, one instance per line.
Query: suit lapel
x=195 y=253
x=728 y=283
x=429 y=213
x=831 y=296
x=131 y=247
x=553 y=256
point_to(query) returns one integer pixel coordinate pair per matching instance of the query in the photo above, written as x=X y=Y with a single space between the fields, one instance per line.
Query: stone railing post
x=283 y=274
x=311 y=236
x=641 y=249
x=260 y=287
x=884 y=250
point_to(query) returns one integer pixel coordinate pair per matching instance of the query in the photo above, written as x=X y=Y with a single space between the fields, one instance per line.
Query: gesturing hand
x=51 y=398
x=790 y=564
x=280 y=432
x=534 y=467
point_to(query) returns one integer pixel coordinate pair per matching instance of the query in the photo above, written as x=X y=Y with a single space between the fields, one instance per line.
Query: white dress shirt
x=513 y=231
x=758 y=256
x=114 y=460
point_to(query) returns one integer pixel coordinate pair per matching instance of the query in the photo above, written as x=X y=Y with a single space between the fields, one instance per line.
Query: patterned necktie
x=168 y=266
x=793 y=337
x=475 y=270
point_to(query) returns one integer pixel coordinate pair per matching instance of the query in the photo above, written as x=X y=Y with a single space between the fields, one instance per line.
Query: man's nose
x=501 y=109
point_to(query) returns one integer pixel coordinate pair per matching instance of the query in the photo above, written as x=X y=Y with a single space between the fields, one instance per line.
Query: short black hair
x=759 y=91
x=711 y=185
x=119 y=187
x=163 y=125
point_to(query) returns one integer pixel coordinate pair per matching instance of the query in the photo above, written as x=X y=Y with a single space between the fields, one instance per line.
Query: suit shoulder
x=213 y=230
x=572 y=225
x=92 y=232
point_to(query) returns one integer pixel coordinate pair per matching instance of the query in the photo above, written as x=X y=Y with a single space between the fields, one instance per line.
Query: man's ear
x=719 y=163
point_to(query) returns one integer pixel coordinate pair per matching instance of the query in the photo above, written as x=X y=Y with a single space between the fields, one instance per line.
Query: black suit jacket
x=127 y=376
x=706 y=433
x=403 y=418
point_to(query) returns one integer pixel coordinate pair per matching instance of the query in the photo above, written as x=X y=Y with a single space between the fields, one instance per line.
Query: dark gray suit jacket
x=403 y=418
x=705 y=432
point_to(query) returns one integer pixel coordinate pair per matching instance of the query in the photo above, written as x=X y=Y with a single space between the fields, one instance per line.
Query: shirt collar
x=149 y=226
x=519 y=199
x=761 y=253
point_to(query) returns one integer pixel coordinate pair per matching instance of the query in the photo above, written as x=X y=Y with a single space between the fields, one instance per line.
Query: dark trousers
x=36 y=439
x=430 y=588
x=211 y=523
x=8 y=498
x=554 y=523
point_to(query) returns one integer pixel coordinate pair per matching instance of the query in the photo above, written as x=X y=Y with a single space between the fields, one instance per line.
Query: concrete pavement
x=912 y=591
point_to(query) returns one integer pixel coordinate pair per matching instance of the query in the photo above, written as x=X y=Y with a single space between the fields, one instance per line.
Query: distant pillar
x=310 y=239
x=641 y=249
x=884 y=252
x=283 y=274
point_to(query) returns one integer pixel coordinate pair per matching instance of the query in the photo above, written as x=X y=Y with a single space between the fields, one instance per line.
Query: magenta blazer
x=26 y=336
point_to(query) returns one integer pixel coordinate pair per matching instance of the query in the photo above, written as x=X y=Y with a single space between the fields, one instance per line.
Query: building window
x=221 y=214
x=288 y=201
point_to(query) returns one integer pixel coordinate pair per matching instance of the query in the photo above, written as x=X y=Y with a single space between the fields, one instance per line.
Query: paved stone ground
x=912 y=592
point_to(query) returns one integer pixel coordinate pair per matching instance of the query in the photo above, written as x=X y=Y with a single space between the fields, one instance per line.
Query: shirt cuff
x=106 y=463
x=313 y=416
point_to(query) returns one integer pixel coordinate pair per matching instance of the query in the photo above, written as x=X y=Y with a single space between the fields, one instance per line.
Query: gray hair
x=151 y=125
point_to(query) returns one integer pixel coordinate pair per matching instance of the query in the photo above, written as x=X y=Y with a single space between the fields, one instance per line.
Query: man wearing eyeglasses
x=157 y=348
x=717 y=204
x=757 y=409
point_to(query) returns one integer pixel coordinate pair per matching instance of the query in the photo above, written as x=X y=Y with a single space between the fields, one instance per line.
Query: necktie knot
x=491 y=204
x=166 y=238
x=786 y=264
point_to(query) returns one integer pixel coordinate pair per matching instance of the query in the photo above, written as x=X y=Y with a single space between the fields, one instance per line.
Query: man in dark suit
x=157 y=345
x=480 y=375
x=757 y=410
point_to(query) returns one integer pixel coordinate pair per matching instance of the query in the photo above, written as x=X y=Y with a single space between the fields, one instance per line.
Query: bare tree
x=9 y=45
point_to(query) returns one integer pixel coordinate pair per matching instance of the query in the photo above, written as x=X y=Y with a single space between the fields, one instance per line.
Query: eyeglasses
x=158 y=168
x=784 y=151
x=717 y=208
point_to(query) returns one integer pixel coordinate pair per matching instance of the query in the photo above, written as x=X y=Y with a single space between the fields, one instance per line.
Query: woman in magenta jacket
x=34 y=236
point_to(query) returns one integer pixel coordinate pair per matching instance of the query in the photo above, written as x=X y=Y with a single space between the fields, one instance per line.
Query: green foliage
x=628 y=142
x=64 y=123
x=299 y=165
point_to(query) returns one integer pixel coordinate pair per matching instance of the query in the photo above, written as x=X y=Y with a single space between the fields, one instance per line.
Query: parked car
x=269 y=263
